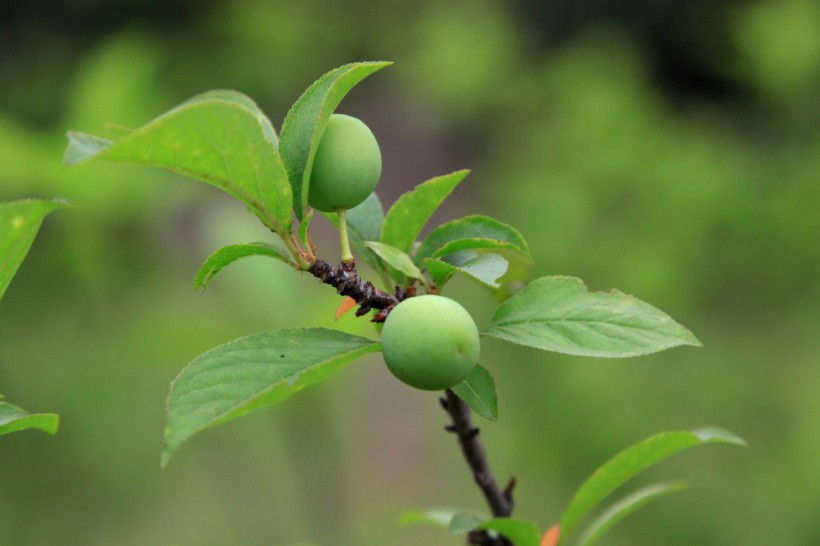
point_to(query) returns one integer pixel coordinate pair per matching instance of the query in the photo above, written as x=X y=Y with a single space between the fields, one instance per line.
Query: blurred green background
x=668 y=149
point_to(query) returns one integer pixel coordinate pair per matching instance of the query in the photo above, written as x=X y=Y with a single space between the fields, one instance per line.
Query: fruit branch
x=500 y=501
x=347 y=282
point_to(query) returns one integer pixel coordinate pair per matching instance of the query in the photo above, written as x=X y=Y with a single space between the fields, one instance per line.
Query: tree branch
x=347 y=282
x=500 y=501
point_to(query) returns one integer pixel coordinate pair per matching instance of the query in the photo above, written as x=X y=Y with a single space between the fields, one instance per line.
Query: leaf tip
x=168 y=450
x=718 y=435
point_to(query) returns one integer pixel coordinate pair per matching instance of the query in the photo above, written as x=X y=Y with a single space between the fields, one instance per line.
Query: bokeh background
x=668 y=149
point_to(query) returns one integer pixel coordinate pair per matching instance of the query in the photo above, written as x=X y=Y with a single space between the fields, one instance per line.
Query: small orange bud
x=551 y=536
x=347 y=304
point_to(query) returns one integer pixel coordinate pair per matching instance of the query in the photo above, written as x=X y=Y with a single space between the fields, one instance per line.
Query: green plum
x=430 y=342
x=347 y=165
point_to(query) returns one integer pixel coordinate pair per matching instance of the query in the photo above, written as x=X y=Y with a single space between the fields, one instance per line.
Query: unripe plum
x=430 y=342
x=347 y=165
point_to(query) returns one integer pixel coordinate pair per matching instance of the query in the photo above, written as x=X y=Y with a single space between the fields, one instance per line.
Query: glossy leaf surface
x=251 y=372
x=484 y=268
x=410 y=212
x=560 y=314
x=471 y=232
x=219 y=137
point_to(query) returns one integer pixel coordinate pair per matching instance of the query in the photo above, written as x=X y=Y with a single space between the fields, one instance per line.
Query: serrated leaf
x=410 y=212
x=485 y=268
x=251 y=372
x=229 y=254
x=395 y=258
x=623 y=508
x=471 y=232
x=560 y=314
x=518 y=531
x=220 y=137
x=630 y=462
x=478 y=392
x=13 y=419
x=19 y=223
x=306 y=120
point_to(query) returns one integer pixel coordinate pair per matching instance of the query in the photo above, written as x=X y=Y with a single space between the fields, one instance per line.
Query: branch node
x=508 y=490
x=347 y=282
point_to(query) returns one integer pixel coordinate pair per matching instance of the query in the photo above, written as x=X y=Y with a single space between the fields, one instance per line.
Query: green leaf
x=13 y=419
x=478 y=391
x=19 y=223
x=228 y=254
x=623 y=508
x=631 y=461
x=304 y=229
x=306 y=120
x=456 y=521
x=485 y=268
x=439 y=517
x=560 y=314
x=471 y=232
x=251 y=372
x=395 y=258
x=364 y=223
x=462 y=522
x=518 y=531
x=219 y=137
x=411 y=211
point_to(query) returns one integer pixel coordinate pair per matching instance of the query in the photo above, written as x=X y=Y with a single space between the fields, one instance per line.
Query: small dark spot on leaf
x=281 y=356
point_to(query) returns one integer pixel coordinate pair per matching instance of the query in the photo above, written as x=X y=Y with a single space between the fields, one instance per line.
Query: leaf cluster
x=223 y=139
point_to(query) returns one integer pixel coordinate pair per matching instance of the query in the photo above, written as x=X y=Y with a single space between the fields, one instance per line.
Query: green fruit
x=430 y=342
x=347 y=165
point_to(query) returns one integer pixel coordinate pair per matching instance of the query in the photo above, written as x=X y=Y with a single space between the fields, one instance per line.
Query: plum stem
x=344 y=240
x=500 y=501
